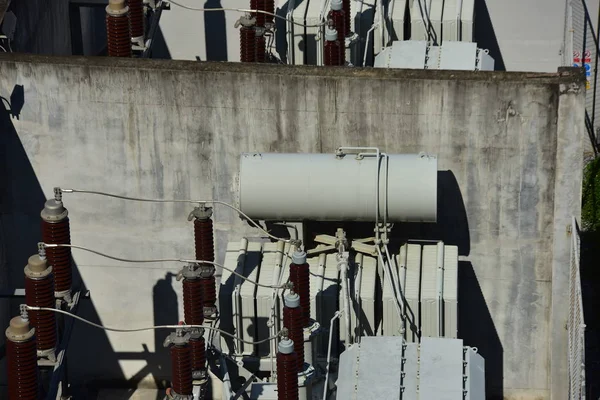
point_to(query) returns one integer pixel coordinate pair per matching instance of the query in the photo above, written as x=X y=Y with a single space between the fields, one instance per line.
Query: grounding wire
x=160 y=260
x=149 y=328
x=240 y=212
x=427 y=22
x=244 y=10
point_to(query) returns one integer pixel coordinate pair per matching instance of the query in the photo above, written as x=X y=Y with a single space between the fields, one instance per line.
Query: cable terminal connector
x=41 y=250
x=284 y=333
x=23 y=311
x=201 y=212
x=58 y=194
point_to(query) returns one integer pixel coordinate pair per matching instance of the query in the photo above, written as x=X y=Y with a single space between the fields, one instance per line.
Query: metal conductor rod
x=158 y=260
x=146 y=200
x=149 y=328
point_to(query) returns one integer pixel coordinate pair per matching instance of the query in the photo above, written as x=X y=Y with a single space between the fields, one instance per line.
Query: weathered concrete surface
x=167 y=129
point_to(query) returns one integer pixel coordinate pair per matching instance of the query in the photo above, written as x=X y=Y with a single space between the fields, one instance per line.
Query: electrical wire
x=246 y=11
x=149 y=328
x=240 y=212
x=160 y=260
x=427 y=22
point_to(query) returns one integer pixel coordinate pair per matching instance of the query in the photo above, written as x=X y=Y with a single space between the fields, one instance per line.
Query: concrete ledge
x=564 y=75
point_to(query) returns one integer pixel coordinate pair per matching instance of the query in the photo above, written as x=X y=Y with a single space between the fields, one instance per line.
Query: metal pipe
x=440 y=288
x=335 y=316
x=343 y=267
x=358 y=265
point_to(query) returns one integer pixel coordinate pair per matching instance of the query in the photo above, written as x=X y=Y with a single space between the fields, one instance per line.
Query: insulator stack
x=193 y=306
x=22 y=360
x=300 y=277
x=287 y=371
x=136 y=18
x=118 y=32
x=338 y=17
x=181 y=363
x=292 y=320
x=269 y=6
x=332 y=48
x=347 y=19
x=39 y=292
x=247 y=44
x=260 y=45
x=198 y=349
x=56 y=230
x=205 y=251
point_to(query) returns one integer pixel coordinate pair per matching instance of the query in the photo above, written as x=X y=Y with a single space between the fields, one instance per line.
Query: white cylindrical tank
x=326 y=187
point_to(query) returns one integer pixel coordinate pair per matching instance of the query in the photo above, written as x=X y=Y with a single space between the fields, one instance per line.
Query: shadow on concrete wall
x=477 y=329
x=452 y=226
x=21 y=200
x=485 y=36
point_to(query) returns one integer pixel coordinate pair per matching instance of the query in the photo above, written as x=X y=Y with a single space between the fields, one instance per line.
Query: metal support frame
x=160 y=6
x=58 y=383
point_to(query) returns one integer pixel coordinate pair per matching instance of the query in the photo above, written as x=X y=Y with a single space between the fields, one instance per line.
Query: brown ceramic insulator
x=193 y=306
x=58 y=257
x=136 y=17
x=287 y=376
x=204 y=239
x=269 y=6
x=118 y=35
x=209 y=291
x=346 y=8
x=332 y=53
x=260 y=48
x=22 y=370
x=181 y=364
x=338 y=18
x=260 y=17
x=198 y=347
x=299 y=276
x=40 y=293
x=247 y=44
x=292 y=320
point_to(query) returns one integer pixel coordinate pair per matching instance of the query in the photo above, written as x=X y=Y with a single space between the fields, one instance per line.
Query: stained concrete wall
x=510 y=145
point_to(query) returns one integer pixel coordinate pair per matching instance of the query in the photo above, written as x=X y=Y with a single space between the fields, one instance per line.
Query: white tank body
x=323 y=187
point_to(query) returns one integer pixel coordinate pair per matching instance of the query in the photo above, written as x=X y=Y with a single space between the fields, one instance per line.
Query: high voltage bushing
x=56 y=230
x=118 y=30
x=287 y=370
x=292 y=320
x=39 y=292
x=332 y=48
x=205 y=251
x=22 y=360
x=137 y=19
x=181 y=364
x=300 y=277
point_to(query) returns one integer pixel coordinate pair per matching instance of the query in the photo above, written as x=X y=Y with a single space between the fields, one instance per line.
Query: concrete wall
x=510 y=144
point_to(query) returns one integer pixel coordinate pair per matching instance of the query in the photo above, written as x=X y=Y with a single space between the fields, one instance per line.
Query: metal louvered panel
x=413 y=285
x=429 y=301
x=450 y=291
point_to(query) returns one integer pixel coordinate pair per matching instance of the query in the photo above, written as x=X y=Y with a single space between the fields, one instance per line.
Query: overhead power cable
x=189 y=201
x=149 y=328
x=160 y=260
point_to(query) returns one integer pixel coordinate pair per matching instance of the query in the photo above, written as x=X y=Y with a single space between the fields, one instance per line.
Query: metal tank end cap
x=331 y=35
x=19 y=330
x=292 y=300
x=336 y=5
x=54 y=211
x=299 y=257
x=37 y=267
x=286 y=346
x=116 y=7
